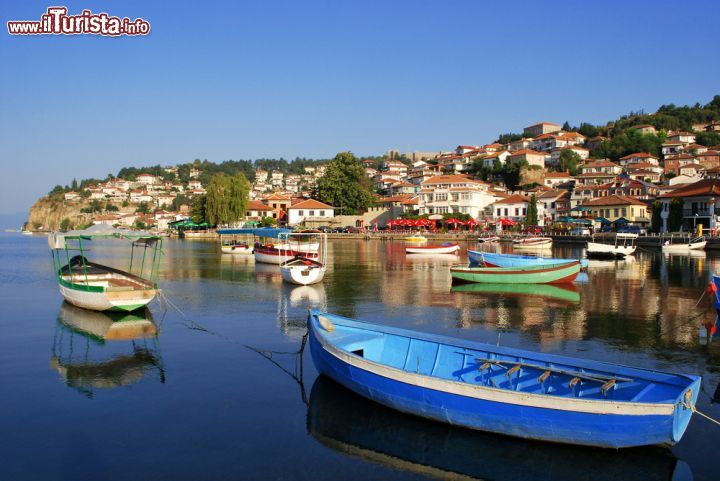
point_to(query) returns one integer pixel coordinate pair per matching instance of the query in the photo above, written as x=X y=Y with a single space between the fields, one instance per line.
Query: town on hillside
x=554 y=172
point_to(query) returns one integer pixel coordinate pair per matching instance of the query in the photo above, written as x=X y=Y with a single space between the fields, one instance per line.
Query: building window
x=311 y=213
x=499 y=212
x=524 y=211
x=517 y=211
x=301 y=212
x=624 y=211
x=617 y=212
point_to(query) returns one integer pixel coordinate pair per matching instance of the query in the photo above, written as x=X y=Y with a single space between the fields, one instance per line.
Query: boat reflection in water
x=352 y=425
x=566 y=292
x=99 y=350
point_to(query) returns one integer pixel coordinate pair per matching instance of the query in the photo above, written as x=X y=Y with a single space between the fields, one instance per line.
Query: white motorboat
x=302 y=271
x=679 y=248
x=446 y=248
x=488 y=240
x=532 y=243
x=624 y=245
x=304 y=268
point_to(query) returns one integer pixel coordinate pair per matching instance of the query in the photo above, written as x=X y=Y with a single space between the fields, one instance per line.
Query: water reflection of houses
x=95 y=350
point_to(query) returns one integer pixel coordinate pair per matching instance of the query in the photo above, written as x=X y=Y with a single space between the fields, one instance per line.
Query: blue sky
x=228 y=80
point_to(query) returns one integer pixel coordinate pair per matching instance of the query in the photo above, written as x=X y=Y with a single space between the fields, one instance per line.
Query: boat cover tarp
x=56 y=240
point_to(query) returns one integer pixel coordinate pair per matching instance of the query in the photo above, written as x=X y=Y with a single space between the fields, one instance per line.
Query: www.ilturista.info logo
x=57 y=22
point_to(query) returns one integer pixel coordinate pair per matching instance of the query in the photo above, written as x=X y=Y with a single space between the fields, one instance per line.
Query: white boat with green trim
x=103 y=288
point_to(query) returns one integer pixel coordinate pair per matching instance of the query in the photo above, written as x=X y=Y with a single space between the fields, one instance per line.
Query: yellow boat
x=416 y=238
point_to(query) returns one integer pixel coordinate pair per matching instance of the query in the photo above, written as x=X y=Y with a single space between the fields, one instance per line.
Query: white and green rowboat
x=535 y=274
x=103 y=288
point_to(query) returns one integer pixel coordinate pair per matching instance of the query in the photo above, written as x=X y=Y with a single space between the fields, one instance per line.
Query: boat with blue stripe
x=502 y=390
x=492 y=259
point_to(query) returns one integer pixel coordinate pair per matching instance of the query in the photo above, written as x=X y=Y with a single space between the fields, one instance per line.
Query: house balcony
x=701 y=212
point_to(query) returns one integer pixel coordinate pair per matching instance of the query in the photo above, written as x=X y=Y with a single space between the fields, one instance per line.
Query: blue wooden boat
x=357 y=427
x=502 y=390
x=491 y=259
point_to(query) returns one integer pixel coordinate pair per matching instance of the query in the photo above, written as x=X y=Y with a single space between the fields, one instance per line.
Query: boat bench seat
x=355 y=341
x=124 y=283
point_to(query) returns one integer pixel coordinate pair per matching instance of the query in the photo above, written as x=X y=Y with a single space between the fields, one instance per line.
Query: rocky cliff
x=48 y=213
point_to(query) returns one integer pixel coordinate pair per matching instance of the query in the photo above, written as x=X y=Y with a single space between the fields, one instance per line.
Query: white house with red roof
x=310 y=210
x=448 y=194
x=530 y=156
x=638 y=158
x=501 y=156
x=513 y=207
x=552 y=179
x=147 y=179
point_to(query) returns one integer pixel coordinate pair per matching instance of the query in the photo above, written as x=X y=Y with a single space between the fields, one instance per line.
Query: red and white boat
x=532 y=243
x=446 y=248
x=269 y=254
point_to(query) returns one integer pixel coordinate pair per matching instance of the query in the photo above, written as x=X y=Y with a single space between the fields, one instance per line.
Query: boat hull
x=277 y=256
x=449 y=249
x=541 y=274
x=608 y=251
x=680 y=248
x=416 y=394
x=302 y=276
x=491 y=259
x=239 y=249
x=108 y=300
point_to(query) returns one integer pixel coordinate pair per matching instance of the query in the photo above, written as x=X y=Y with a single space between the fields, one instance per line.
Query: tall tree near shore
x=656 y=220
x=532 y=211
x=226 y=198
x=675 y=215
x=345 y=185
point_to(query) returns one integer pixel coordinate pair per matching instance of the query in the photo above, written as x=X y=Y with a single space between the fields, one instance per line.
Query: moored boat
x=103 y=288
x=623 y=246
x=445 y=248
x=488 y=239
x=270 y=254
x=538 y=274
x=492 y=259
x=301 y=269
x=234 y=241
x=692 y=245
x=532 y=243
x=355 y=426
x=416 y=238
x=502 y=390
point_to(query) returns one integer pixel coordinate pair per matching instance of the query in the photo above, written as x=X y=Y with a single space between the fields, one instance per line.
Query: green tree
x=675 y=215
x=532 y=211
x=197 y=210
x=569 y=161
x=227 y=198
x=656 y=220
x=345 y=185
x=708 y=139
x=268 y=222
x=65 y=225
x=143 y=208
x=111 y=207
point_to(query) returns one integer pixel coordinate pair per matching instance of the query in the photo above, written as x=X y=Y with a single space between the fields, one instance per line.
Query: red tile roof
x=614 y=200
x=525 y=152
x=514 y=199
x=700 y=188
x=639 y=155
x=311 y=204
x=448 y=179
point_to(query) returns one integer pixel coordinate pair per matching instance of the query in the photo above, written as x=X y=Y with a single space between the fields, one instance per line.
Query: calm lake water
x=83 y=399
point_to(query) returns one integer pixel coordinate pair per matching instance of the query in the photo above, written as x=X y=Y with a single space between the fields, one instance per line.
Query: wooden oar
x=584 y=376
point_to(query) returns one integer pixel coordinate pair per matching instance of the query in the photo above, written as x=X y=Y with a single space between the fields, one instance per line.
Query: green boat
x=549 y=291
x=542 y=274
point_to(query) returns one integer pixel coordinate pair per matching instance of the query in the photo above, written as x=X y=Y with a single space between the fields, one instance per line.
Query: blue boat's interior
x=529 y=373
